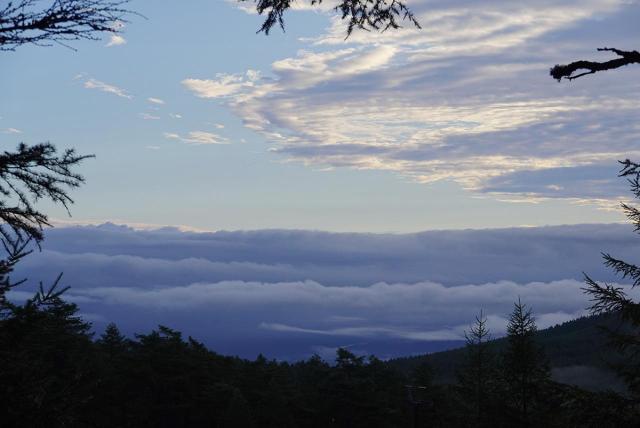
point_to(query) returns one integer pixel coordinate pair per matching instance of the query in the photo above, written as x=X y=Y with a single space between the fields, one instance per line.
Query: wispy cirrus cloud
x=148 y=116
x=11 y=131
x=154 y=100
x=197 y=137
x=467 y=99
x=92 y=83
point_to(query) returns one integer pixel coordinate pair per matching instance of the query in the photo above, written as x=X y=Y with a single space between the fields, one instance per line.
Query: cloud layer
x=468 y=98
x=291 y=293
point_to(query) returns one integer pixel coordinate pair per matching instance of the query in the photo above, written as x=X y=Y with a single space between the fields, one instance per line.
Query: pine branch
x=622 y=268
x=28 y=175
x=22 y=22
x=605 y=298
x=16 y=250
x=49 y=296
x=368 y=15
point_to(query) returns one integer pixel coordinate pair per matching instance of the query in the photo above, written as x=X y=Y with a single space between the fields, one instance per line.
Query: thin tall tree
x=525 y=367
x=477 y=376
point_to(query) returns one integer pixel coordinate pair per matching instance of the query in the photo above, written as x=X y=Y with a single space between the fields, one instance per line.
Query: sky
x=300 y=191
x=196 y=120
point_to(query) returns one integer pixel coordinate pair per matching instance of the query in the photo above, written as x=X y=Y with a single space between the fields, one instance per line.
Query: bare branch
x=567 y=71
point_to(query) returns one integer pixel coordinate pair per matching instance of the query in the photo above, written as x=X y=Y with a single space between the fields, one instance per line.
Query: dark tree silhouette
x=16 y=251
x=377 y=15
x=32 y=173
x=36 y=172
x=39 y=172
x=477 y=376
x=29 y=174
x=45 y=369
x=26 y=176
x=62 y=21
x=525 y=367
x=581 y=68
x=609 y=298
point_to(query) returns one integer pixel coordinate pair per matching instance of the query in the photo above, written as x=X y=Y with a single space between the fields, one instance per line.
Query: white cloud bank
x=287 y=293
x=422 y=311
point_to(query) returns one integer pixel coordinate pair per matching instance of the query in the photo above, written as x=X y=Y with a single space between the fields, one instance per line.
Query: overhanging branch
x=590 y=67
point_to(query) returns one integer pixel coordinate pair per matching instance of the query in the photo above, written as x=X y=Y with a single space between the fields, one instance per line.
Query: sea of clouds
x=290 y=294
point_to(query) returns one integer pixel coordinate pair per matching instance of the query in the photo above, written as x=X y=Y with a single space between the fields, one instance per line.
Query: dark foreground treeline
x=53 y=373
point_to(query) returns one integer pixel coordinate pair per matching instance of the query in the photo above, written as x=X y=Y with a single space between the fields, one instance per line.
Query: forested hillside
x=577 y=351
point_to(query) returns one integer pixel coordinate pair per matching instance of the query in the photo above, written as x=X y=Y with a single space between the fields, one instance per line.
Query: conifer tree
x=610 y=298
x=525 y=367
x=34 y=172
x=46 y=369
x=477 y=377
x=112 y=342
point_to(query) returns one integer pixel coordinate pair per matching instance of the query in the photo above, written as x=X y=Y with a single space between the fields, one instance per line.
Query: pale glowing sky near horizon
x=198 y=121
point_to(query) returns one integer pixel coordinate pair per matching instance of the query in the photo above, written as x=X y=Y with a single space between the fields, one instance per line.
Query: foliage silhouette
x=568 y=71
x=525 y=367
x=25 y=22
x=46 y=362
x=610 y=298
x=477 y=376
x=368 y=15
x=28 y=175
x=33 y=173
x=54 y=375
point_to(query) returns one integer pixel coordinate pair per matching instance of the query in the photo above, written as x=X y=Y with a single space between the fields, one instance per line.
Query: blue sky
x=454 y=126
